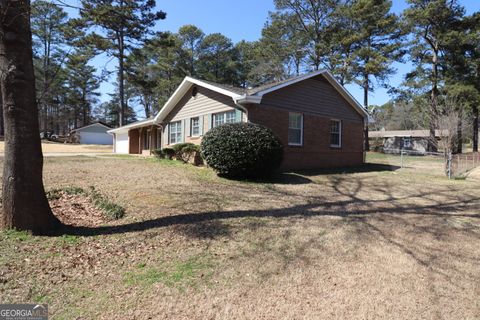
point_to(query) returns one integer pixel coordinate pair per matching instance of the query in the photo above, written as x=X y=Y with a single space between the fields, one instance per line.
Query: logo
x=23 y=312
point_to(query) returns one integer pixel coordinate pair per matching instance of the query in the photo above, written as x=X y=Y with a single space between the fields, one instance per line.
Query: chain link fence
x=458 y=165
x=451 y=165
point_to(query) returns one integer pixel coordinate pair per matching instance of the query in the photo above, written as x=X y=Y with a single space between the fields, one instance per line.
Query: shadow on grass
x=297 y=177
x=367 y=167
x=200 y=223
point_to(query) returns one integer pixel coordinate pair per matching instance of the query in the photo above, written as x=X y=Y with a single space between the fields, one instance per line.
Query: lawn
x=374 y=243
x=56 y=147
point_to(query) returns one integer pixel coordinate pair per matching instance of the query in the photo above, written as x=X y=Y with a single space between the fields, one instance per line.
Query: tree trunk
x=25 y=205
x=121 y=83
x=366 y=86
x=2 y=125
x=475 y=129
x=459 y=136
x=432 y=141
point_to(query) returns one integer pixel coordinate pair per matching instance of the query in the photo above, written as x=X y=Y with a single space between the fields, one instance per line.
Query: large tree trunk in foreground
x=25 y=205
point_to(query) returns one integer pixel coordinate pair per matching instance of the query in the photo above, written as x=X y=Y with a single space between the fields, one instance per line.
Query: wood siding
x=206 y=102
x=204 y=105
x=315 y=96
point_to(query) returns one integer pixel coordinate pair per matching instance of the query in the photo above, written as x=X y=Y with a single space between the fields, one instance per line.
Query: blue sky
x=244 y=20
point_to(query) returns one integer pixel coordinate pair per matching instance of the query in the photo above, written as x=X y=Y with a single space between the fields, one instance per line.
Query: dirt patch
x=77 y=210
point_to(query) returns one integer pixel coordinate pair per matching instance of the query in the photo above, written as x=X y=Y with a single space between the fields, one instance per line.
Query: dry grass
x=372 y=244
x=54 y=147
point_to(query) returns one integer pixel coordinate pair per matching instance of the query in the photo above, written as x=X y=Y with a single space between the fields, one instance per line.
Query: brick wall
x=316 y=151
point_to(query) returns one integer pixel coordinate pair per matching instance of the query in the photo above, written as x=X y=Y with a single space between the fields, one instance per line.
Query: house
x=95 y=133
x=415 y=141
x=319 y=123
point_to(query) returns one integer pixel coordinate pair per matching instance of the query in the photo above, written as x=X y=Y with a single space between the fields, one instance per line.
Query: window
x=175 y=132
x=224 y=117
x=146 y=140
x=336 y=133
x=230 y=117
x=407 y=143
x=295 y=129
x=195 y=127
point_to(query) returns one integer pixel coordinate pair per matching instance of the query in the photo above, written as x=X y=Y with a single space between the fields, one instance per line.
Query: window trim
x=223 y=114
x=191 y=127
x=294 y=144
x=340 y=129
x=170 y=132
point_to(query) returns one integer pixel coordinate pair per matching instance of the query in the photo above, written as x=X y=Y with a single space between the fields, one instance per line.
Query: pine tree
x=429 y=22
x=377 y=45
x=126 y=24
x=49 y=23
x=191 y=38
x=216 y=59
x=312 y=20
x=81 y=84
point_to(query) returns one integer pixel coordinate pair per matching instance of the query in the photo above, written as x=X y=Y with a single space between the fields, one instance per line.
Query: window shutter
x=238 y=115
x=209 y=126
x=166 y=135
x=183 y=130
x=200 y=120
x=188 y=131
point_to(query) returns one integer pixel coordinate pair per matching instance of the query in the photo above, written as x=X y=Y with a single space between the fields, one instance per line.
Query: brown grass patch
x=56 y=147
x=369 y=243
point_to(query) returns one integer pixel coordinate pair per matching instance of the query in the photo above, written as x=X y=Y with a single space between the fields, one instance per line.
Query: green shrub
x=55 y=194
x=159 y=153
x=242 y=150
x=186 y=151
x=110 y=209
x=179 y=146
x=169 y=153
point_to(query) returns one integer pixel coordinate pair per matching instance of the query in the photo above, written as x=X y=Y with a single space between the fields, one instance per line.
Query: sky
x=244 y=20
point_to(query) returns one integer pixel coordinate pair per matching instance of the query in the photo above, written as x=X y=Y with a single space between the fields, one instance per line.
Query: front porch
x=144 y=140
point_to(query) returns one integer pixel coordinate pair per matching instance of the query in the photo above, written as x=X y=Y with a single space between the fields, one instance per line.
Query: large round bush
x=242 y=150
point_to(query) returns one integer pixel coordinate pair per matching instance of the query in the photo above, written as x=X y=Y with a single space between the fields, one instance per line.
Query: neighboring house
x=409 y=140
x=319 y=123
x=95 y=133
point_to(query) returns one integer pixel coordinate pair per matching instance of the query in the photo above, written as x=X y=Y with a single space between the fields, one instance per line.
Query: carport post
x=401 y=158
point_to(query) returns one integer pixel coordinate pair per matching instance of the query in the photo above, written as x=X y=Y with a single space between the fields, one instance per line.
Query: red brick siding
x=316 y=151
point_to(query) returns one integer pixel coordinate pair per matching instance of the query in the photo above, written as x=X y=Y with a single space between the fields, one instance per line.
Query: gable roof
x=91 y=125
x=133 y=125
x=242 y=96
x=183 y=89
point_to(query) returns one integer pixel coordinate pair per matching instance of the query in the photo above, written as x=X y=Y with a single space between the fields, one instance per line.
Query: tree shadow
x=285 y=178
x=367 y=167
x=398 y=220
x=333 y=209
